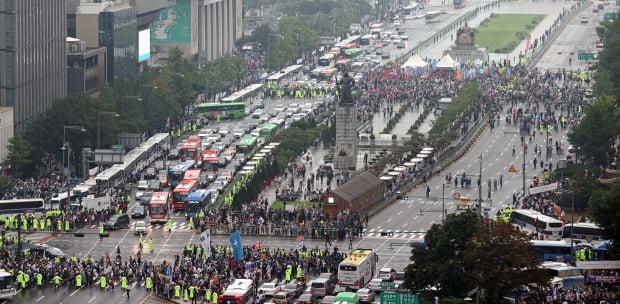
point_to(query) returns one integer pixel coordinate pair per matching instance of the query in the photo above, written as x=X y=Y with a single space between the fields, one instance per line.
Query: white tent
x=415 y=62
x=446 y=62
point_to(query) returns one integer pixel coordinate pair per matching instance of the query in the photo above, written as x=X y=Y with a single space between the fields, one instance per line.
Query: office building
x=32 y=57
x=86 y=67
x=203 y=29
x=113 y=25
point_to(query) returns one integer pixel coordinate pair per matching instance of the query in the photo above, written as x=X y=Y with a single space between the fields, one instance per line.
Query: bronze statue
x=345 y=86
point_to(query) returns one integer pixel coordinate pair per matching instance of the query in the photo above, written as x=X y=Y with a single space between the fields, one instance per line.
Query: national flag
x=237 y=246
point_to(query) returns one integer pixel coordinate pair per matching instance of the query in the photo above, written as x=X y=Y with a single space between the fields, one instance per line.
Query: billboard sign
x=174 y=24
x=144 y=45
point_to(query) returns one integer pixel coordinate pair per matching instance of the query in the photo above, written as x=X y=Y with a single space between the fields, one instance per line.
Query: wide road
x=402 y=217
x=409 y=219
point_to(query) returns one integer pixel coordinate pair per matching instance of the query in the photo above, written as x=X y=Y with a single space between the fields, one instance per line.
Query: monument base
x=345 y=162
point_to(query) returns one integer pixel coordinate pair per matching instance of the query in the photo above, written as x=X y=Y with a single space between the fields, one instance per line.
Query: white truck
x=96 y=203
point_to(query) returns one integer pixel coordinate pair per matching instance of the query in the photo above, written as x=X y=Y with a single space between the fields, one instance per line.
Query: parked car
x=139 y=227
x=282 y=298
x=307 y=298
x=366 y=295
x=149 y=173
x=146 y=198
x=328 y=299
x=269 y=289
x=154 y=185
x=374 y=284
x=294 y=289
x=117 y=221
x=138 y=211
x=173 y=154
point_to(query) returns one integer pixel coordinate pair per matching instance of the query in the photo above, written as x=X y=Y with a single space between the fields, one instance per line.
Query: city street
x=407 y=219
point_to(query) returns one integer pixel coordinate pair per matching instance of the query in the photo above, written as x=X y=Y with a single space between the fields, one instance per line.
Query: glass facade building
x=118 y=32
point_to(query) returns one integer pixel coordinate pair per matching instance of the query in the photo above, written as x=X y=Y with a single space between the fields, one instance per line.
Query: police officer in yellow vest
x=78 y=281
x=39 y=279
x=177 y=291
x=103 y=282
x=148 y=283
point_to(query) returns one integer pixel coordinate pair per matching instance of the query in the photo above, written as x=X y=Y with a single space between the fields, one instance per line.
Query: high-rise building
x=33 y=70
x=206 y=29
x=113 y=25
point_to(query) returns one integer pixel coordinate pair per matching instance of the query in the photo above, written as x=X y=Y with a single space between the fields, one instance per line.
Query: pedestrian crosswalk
x=175 y=226
x=395 y=234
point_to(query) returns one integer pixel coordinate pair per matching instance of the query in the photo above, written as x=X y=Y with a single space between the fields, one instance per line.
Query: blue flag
x=237 y=247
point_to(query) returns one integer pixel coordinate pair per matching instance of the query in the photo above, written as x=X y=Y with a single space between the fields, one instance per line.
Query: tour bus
x=357 y=269
x=432 y=17
x=246 y=145
x=158 y=207
x=535 y=221
x=241 y=291
x=268 y=130
x=7 y=290
x=180 y=193
x=557 y=251
x=176 y=173
x=197 y=201
x=367 y=40
x=459 y=3
x=588 y=232
x=327 y=60
x=228 y=110
x=343 y=65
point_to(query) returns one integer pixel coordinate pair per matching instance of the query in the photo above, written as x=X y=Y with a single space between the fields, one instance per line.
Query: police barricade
x=279 y=231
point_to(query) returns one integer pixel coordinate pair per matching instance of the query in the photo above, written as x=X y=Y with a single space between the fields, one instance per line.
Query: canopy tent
x=386 y=177
x=416 y=160
x=394 y=173
x=428 y=149
x=414 y=62
x=409 y=164
x=446 y=62
x=400 y=169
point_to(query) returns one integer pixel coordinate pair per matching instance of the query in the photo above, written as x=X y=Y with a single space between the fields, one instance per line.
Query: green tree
x=593 y=136
x=19 y=154
x=605 y=208
x=439 y=263
x=499 y=259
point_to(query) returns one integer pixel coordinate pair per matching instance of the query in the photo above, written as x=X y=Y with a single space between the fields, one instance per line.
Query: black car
x=146 y=198
x=138 y=212
x=149 y=173
x=117 y=221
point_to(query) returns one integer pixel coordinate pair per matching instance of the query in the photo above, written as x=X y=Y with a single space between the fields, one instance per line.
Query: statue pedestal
x=345 y=153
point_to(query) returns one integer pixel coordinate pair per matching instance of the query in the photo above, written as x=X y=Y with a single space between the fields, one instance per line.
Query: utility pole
x=480 y=189
x=523 y=166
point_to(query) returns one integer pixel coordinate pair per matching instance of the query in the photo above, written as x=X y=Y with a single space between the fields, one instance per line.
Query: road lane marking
x=71 y=294
x=405 y=225
x=389 y=220
x=39 y=299
x=92 y=299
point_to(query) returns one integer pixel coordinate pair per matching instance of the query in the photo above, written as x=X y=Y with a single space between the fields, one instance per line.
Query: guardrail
x=290 y=232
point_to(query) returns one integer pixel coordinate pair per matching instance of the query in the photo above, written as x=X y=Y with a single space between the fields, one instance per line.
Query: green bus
x=223 y=110
x=268 y=130
x=247 y=144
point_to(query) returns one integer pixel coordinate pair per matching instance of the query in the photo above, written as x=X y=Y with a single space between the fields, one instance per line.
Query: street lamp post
x=523 y=165
x=443 y=202
x=99 y=125
x=66 y=172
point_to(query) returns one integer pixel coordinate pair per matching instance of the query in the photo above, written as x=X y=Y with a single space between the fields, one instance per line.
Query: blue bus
x=176 y=173
x=29 y=205
x=557 y=251
x=197 y=201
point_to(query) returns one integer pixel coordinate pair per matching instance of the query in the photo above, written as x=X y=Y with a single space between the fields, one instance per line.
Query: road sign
x=456 y=195
x=512 y=169
x=118 y=147
x=582 y=55
x=390 y=297
x=609 y=16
